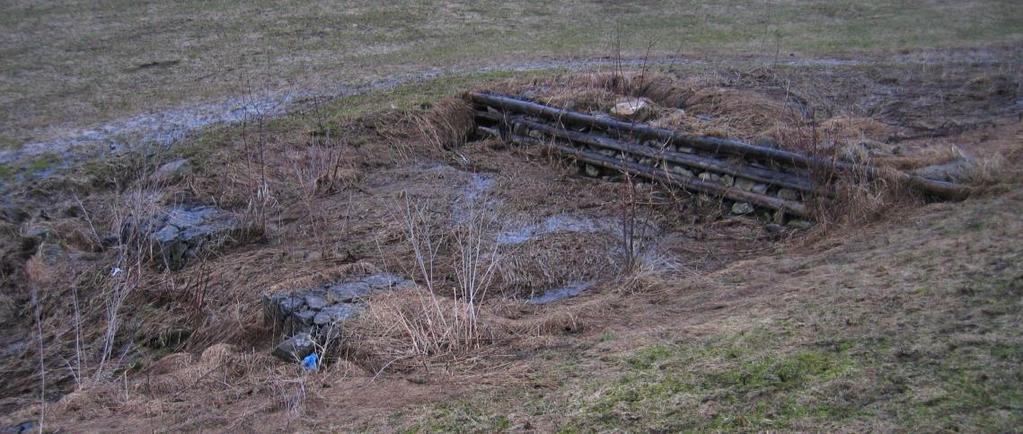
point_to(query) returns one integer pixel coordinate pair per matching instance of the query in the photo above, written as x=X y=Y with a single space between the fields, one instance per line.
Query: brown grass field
x=889 y=312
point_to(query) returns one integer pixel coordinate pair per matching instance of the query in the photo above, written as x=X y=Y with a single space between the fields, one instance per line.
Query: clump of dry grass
x=448 y=124
x=739 y=113
x=416 y=322
x=650 y=273
x=422 y=321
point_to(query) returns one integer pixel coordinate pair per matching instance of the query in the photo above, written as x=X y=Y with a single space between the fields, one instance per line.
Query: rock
x=684 y=149
x=172 y=171
x=315 y=301
x=317 y=311
x=682 y=171
x=181 y=231
x=788 y=194
x=591 y=170
x=189 y=217
x=952 y=171
x=335 y=313
x=727 y=180
x=639 y=109
x=290 y=304
x=295 y=348
x=347 y=292
x=742 y=208
x=709 y=177
x=759 y=188
x=304 y=317
x=299 y=321
x=744 y=184
x=166 y=234
x=386 y=281
x=800 y=224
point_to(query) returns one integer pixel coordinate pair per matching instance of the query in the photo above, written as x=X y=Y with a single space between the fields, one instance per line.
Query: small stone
x=305 y=317
x=788 y=194
x=633 y=108
x=174 y=253
x=759 y=188
x=185 y=218
x=591 y=170
x=166 y=234
x=744 y=184
x=386 y=281
x=682 y=171
x=727 y=180
x=295 y=348
x=742 y=208
x=685 y=149
x=315 y=302
x=290 y=304
x=335 y=313
x=347 y=292
x=800 y=224
x=710 y=177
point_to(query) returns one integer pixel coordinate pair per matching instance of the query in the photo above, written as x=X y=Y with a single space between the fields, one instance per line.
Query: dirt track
x=167 y=127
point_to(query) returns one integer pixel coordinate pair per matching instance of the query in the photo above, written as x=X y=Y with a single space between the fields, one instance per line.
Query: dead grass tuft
x=448 y=124
x=404 y=325
x=740 y=113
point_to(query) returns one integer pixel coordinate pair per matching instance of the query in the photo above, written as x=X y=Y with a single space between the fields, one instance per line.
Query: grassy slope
x=909 y=326
x=77 y=62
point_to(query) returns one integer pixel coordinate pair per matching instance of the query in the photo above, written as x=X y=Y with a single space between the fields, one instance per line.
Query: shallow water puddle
x=473 y=197
x=556 y=224
x=550 y=296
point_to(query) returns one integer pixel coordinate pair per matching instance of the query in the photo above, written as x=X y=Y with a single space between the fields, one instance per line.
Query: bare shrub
x=419 y=321
x=319 y=168
x=132 y=212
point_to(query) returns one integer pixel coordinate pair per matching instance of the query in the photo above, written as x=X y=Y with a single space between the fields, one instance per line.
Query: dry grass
x=468 y=310
x=447 y=124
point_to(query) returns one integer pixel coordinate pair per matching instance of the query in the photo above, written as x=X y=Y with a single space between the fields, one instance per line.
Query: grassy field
x=76 y=63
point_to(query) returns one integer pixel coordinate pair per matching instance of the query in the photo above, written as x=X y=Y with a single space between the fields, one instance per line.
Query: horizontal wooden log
x=766 y=176
x=688 y=183
x=941 y=189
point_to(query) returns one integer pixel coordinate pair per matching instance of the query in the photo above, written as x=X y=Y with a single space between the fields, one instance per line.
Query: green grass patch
x=738 y=382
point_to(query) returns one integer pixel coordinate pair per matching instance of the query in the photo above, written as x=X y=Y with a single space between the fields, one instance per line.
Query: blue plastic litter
x=310 y=362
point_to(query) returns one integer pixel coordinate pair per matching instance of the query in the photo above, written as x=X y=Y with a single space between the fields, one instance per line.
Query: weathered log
x=692 y=184
x=715 y=145
x=689 y=160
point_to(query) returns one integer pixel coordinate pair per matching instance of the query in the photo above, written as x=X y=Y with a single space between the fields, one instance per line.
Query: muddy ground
x=894 y=314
